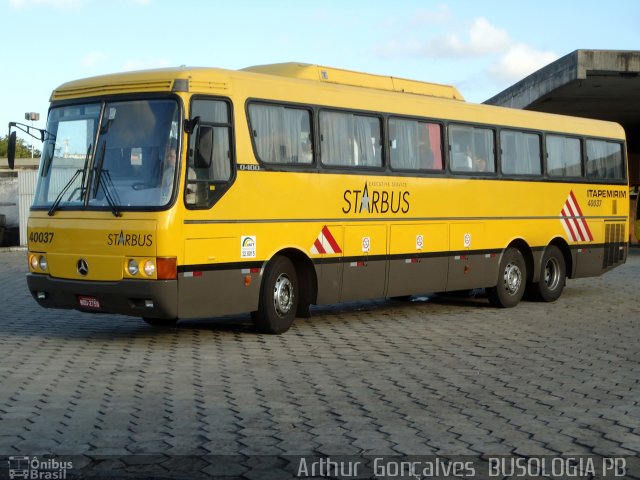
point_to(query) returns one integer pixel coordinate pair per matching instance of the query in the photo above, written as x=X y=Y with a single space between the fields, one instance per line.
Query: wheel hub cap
x=283 y=295
x=512 y=278
x=552 y=274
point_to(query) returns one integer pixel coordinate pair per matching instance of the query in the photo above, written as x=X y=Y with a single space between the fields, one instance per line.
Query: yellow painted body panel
x=292 y=208
x=103 y=240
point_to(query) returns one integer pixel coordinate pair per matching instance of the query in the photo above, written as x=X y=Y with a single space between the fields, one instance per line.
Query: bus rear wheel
x=512 y=279
x=552 y=277
x=278 y=297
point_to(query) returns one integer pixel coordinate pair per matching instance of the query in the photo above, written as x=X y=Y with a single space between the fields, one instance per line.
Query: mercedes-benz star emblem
x=82 y=267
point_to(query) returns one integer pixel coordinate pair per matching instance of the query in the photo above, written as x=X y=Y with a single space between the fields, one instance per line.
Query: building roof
x=603 y=84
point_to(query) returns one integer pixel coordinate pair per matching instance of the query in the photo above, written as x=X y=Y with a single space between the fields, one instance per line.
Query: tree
x=22 y=149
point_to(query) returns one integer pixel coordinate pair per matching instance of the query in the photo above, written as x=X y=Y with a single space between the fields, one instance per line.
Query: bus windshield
x=110 y=155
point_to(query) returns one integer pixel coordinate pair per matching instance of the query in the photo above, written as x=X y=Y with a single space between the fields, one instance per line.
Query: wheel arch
x=307 y=276
x=527 y=253
x=562 y=244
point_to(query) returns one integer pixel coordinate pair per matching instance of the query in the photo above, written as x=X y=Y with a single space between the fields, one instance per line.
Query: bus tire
x=160 y=322
x=553 y=276
x=512 y=280
x=279 y=297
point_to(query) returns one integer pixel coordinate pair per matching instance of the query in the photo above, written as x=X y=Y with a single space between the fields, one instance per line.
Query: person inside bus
x=168 y=169
x=307 y=152
x=469 y=159
x=191 y=190
x=480 y=165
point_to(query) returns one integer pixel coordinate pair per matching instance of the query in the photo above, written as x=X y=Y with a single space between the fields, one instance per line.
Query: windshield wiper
x=98 y=177
x=58 y=199
x=114 y=204
x=82 y=188
x=97 y=170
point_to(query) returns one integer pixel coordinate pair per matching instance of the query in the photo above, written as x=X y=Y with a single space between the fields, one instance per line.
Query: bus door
x=365 y=262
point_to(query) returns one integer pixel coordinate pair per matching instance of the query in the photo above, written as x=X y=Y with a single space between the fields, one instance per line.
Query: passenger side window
x=564 y=158
x=415 y=145
x=204 y=181
x=350 y=140
x=282 y=135
x=604 y=160
x=472 y=149
x=521 y=153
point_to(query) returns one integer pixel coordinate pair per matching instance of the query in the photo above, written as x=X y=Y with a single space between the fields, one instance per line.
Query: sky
x=481 y=47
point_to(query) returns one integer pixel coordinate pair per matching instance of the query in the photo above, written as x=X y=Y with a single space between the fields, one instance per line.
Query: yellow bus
x=198 y=192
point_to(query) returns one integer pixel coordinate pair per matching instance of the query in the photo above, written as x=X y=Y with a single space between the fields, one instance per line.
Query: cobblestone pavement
x=444 y=376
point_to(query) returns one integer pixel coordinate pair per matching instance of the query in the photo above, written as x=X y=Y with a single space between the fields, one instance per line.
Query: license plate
x=89 y=302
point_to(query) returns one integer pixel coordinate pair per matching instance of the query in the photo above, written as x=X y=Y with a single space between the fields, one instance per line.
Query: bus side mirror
x=204 y=147
x=11 y=150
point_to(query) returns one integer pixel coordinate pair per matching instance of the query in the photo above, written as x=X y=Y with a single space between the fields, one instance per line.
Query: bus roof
x=340 y=76
x=165 y=80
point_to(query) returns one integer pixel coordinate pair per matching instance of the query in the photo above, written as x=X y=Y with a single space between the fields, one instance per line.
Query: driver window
x=206 y=183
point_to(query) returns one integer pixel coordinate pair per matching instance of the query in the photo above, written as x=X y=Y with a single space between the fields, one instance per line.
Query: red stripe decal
x=582 y=220
x=573 y=214
x=332 y=241
x=575 y=202
x=319 y=246
x=566 y=221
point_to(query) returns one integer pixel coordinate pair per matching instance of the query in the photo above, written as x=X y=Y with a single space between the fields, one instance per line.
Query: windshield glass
x=125 y=152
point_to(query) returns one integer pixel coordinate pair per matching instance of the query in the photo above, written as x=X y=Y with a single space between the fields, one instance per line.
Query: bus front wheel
x=553 y=276
x=278 y=297
x=512 y=280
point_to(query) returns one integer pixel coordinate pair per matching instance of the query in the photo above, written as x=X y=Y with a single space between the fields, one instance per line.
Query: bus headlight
x=132 y=267
x=149 y=268
x=38 y=263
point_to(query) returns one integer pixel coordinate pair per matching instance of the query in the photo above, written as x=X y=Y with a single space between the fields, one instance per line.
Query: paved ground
x=443 y=377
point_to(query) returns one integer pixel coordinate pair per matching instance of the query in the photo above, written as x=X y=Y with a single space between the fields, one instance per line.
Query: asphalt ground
x=435 y=378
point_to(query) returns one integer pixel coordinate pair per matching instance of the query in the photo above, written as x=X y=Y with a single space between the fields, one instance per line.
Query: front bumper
x=140 y=298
